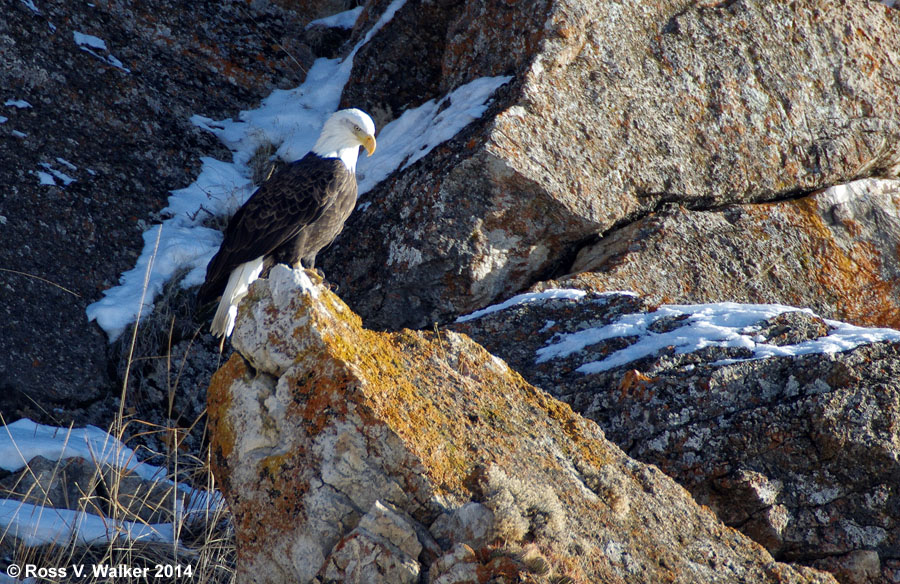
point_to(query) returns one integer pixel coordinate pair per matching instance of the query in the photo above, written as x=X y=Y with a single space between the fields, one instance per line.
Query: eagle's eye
x=356 y=128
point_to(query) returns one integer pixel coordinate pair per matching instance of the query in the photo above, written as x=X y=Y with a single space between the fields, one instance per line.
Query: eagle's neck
x=337 y=144
x=347 y=155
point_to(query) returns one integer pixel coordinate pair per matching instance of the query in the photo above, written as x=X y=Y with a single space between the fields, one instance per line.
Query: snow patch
x=66 y=179
x=725 y=324
x=3 y=119
x=31 y=6
x=37 y=525
x=344 y=19
x=858 y=189
x=88 y=43
x=172 y=248
x=418 y=131
x=66 y=163
x=24 y=439
x=17 y=103
x=88 y=40
x=45 y=178
x=553 y=293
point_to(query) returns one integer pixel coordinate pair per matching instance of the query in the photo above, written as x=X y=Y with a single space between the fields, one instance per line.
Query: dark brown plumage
x=291 y=217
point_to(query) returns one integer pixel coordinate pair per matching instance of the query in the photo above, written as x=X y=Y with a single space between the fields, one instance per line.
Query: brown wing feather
x=291 y=199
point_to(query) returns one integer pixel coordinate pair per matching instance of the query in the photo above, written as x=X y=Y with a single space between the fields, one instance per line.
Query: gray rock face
x=834 y=251
x=613 y=110
x=126 y=139
x=797 y=452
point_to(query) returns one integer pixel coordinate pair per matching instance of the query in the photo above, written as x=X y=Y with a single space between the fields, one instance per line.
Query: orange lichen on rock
x=218 y=401
x=853 y=273
x=353 y=455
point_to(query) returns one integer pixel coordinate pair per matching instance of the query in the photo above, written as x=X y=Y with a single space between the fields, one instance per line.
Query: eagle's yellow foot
x=316 y=275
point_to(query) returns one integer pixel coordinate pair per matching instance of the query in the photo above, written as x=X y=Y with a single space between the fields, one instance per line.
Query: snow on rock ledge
x=784 y=423
x=349 y=455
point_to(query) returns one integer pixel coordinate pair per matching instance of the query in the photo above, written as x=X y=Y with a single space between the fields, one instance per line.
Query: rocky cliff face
x=90 y=150
x=798 y=451
x=354 y=456
x=694 y=152
x=615 y=109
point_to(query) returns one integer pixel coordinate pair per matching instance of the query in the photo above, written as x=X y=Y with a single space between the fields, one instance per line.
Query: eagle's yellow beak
x=368 y=142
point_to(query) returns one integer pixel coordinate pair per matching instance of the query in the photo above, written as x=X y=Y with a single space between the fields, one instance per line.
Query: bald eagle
x=292 y=216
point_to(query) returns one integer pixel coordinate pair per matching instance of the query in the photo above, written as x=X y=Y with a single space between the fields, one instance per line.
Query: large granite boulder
x=614 y=110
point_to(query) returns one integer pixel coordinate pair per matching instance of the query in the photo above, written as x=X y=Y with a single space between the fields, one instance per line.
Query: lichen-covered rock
x=835 y=251
x=337 y=447
x=458 y=566
x=614 y=109
x=383 y=547
x=799 y=452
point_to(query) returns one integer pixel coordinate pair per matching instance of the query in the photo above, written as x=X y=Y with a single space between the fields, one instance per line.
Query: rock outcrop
x=614 y=110
x=351 y=455
x=799 y=451
x=834 y=251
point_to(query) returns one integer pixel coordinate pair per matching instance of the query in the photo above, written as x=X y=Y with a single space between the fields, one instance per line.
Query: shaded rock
x=835 y=251
x=471 y=524
x=81 y=485
x=119 y=138
x=613 y=110
x=855 y=568
x=799 y=452
x=325 y=435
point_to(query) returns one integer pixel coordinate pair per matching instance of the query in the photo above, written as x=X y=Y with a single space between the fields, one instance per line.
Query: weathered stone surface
x=800 y=453
x=835 y=251
x=458 y=566
x=614 y=109
x=129 y=139
x=326 y=435
x=382 y=548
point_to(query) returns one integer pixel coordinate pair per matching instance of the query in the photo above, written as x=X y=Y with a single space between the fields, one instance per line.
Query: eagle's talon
x=316 y=275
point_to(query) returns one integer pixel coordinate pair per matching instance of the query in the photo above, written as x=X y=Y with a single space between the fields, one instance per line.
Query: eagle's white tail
x=238 y=284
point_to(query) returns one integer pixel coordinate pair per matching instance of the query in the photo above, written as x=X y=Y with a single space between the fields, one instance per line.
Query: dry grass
x=203 y=542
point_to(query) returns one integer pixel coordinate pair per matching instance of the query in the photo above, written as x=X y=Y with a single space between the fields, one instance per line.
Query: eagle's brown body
x=291 y=217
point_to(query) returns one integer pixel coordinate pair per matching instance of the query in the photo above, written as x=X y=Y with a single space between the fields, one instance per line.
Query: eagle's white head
x=342 y=135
